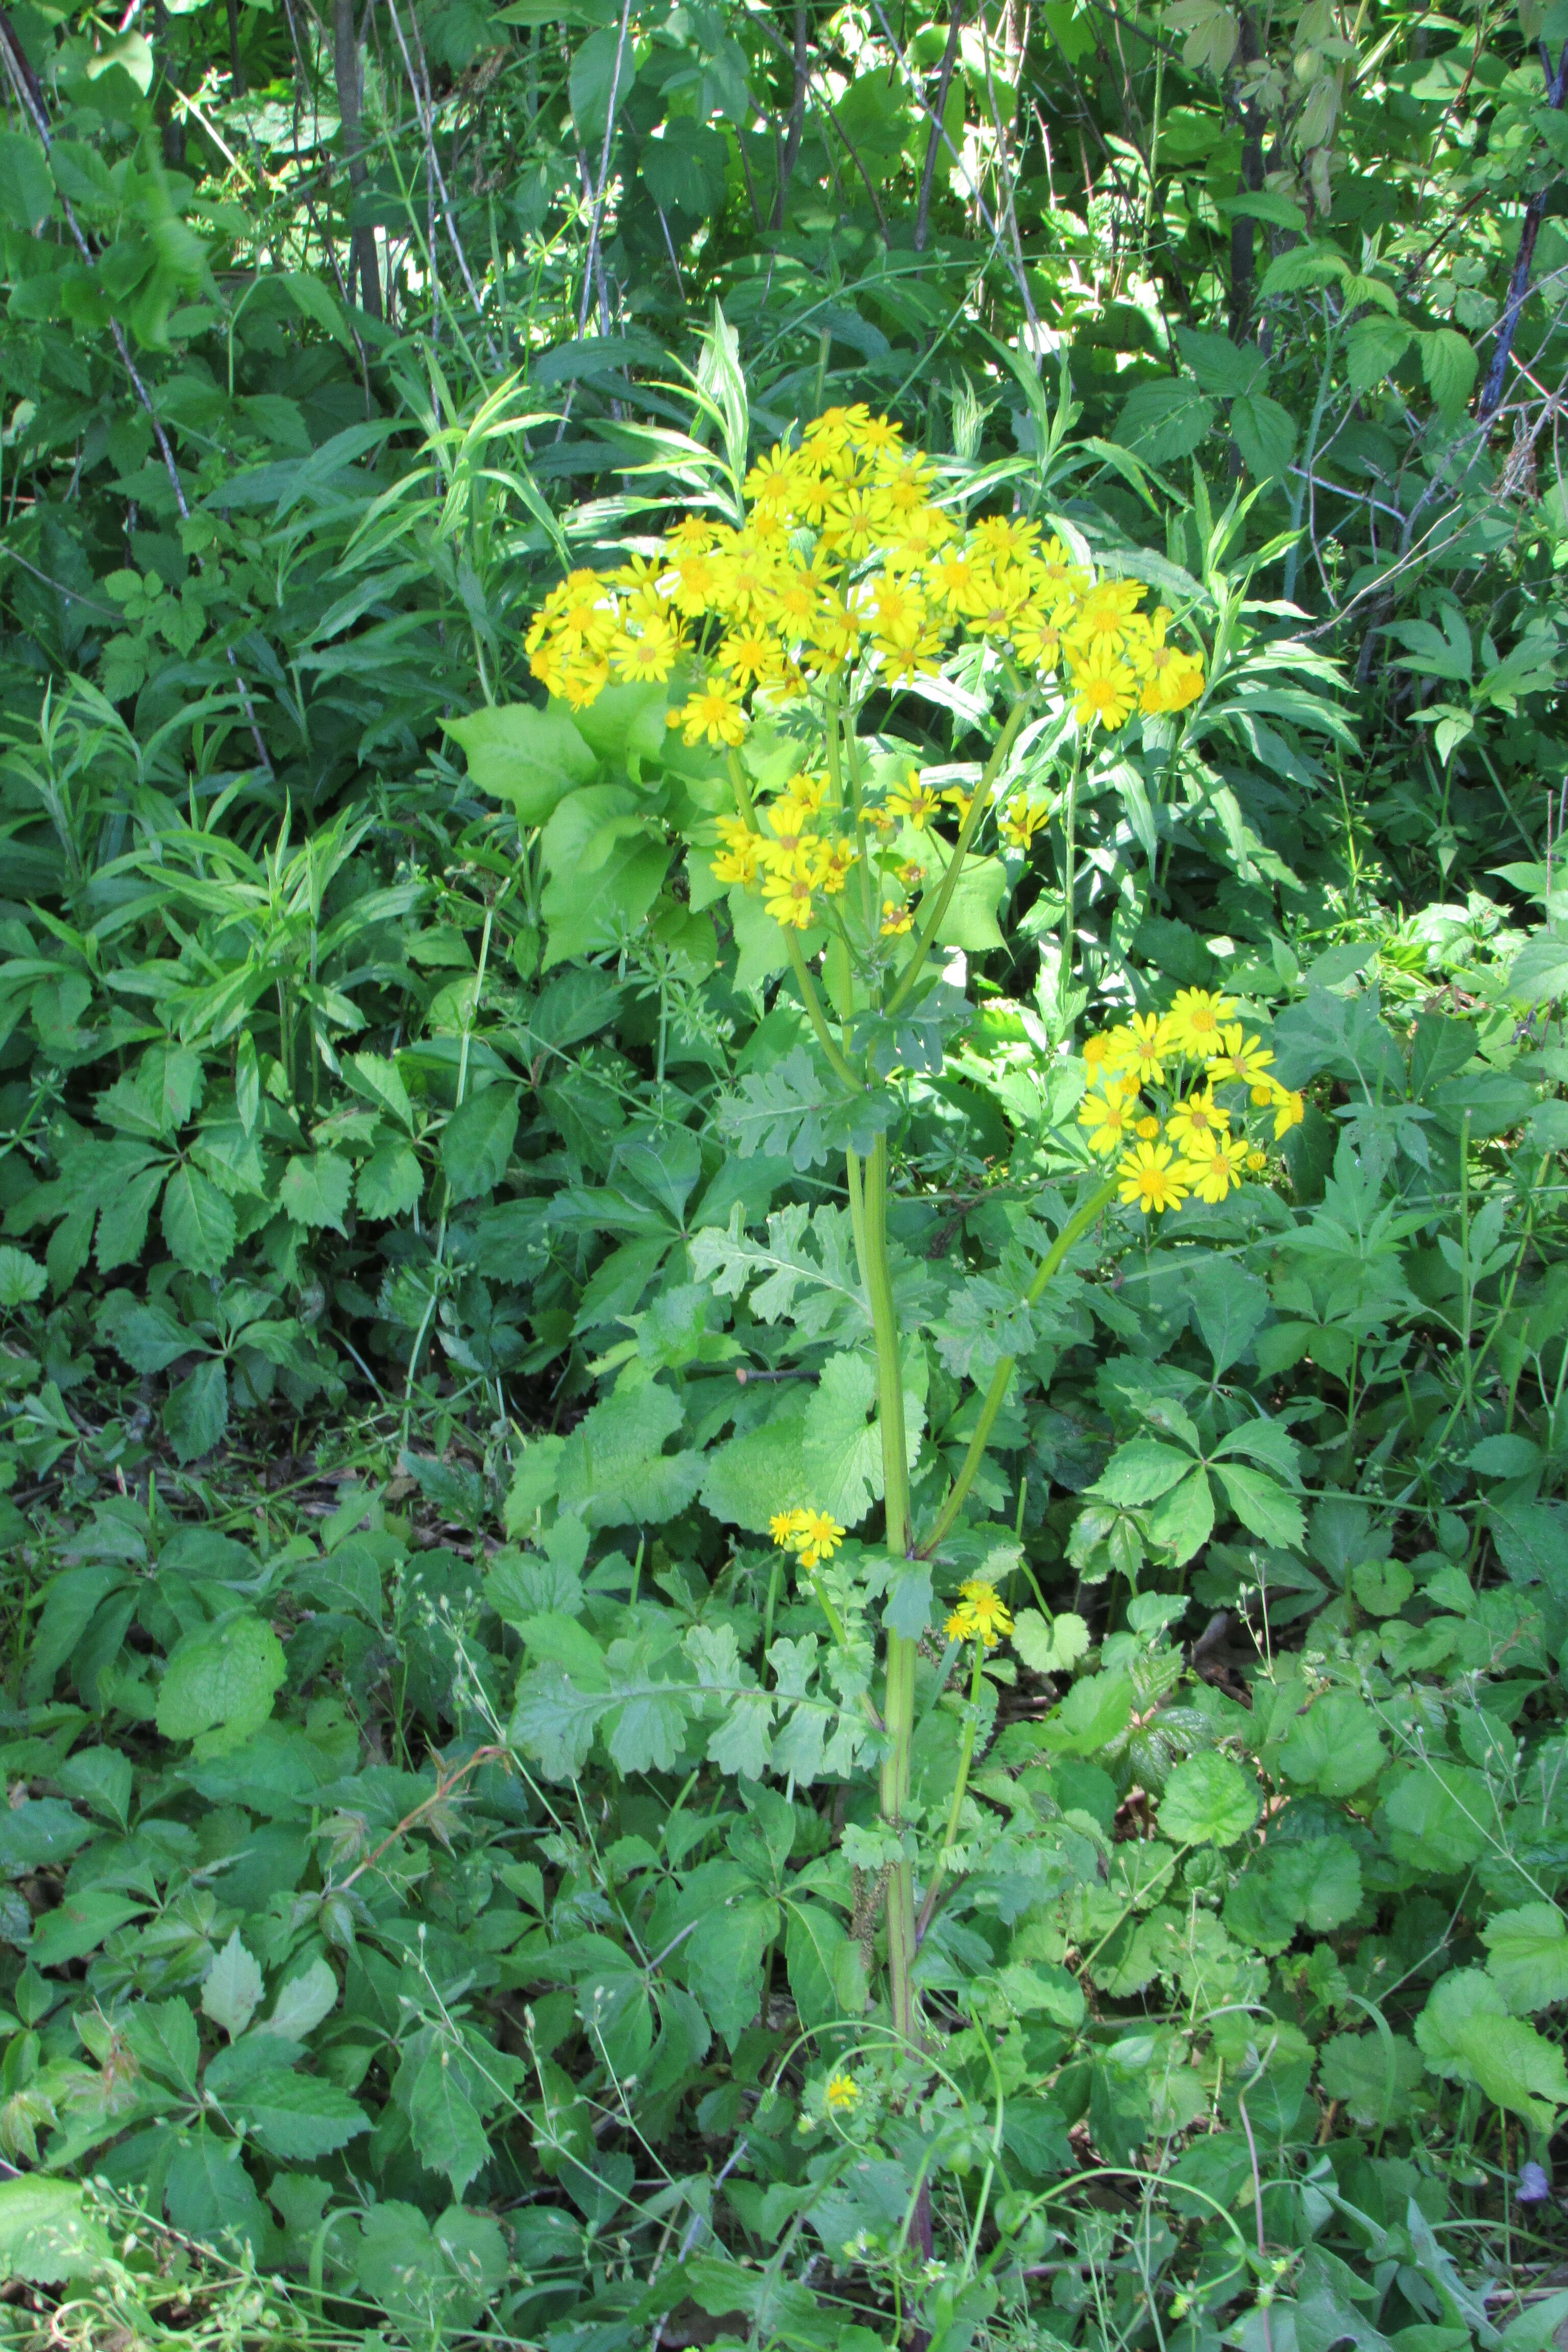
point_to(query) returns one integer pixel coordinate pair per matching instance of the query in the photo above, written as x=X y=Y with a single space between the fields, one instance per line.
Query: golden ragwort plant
x=850 y=576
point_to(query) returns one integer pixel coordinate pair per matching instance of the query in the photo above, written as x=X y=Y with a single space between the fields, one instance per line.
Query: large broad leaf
x=602 y=69
x=196 y=1414
x=315 y=1190
x=1261 y=1504
x=477 y=1141
x=27 y=189
x=613 y=1467
x=1264 y=434
x=1141 y=1471
x=1437 y=1817
x=447 y=2132
x=1208 y=1800
x=232 y=1989
x=1163 y=420
x=222 y=1675
x=606 y=864
x=297 y=2116
x=762 y=1472
x=724 y=1962
x=45 y=2234
x=1465 y=2035
x=969 y=919
x=685 y=168
x=1336 y=1746
x=1095 y=1712
x=390 y=1182
x=1372 y=2075
x=530 y=758
x=199 y=1224
x=1527 y=1955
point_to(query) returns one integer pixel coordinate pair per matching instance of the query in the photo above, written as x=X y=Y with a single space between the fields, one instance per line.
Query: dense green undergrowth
x=451 y=1886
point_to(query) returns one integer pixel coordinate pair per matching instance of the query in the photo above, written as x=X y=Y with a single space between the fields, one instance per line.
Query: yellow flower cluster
x=980 y=1614
x=812 y=1536
x=846 y=559
x=846 y=556
x=1198 y=1145
x=842 y=2092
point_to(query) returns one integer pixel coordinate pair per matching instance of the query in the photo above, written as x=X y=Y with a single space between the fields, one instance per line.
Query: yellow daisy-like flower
x=914 y=802
x=771 y=479
x=787 y=892
x=1110 y=1117
x=649 y=655
x=1139 y=1049
x=751 y=657
x=1213 y=1165
x=1195 y=1122
x=547 y=664
x=740 y=864
x=1242 y=1058
x=880 y=436
x=1018 y=825
x=1102 y=623
x=1290 y=1110
x=1037 y=639
x=833 y=860
x=695 y=581
x=988 y=1614
x=1257 y=1161
x=583 y=682
x=817 y=1538
x=896 y=920
x=961 y=1625
x=1173 y=679
x=714 y=713
x=843 y=2092
x=1004 y=538
x=1097 y=1050
x=1060 y=576
x=790 y=822
x=1147 y=1129
x=1152 y=1179
x=1195 y=1022
x=1104 y=691
x=951 y=577
x=783 y=1526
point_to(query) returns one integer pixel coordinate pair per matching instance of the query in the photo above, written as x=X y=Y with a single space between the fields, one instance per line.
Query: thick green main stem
x=899 y=1699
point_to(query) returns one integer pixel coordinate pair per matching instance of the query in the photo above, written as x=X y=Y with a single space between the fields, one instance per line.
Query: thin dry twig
x=601 y=192
x=424 y=108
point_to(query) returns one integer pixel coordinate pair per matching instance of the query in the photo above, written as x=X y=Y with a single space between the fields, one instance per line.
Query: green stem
x=966 y=1759
x=1077 y=1226
x=1070 y=873
x=816 y=1016
x=899 y=1698
x=977 y=808
x=418 y=1347
x=890 y=1362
